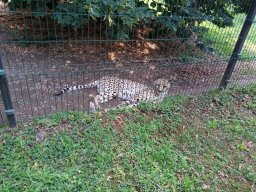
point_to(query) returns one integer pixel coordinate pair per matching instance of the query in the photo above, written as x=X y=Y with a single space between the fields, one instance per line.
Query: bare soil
x=38 y=64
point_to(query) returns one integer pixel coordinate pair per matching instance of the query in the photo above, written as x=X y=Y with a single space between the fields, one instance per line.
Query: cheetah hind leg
x=95 y=104
x=99 y=99
x=92 y=107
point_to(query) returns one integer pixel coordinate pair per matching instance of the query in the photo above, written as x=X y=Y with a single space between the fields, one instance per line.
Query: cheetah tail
x=76 y=87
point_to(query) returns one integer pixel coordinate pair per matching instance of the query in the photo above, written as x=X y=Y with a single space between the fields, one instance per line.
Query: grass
x=223 y=40
x=205 y=143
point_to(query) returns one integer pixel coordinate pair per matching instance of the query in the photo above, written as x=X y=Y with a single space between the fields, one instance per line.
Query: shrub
x=180 y=16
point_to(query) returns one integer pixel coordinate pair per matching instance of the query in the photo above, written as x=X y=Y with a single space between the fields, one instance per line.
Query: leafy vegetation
x=204 y=143
x=180 y=16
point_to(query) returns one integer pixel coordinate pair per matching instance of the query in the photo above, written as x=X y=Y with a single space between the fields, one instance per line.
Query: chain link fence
x=42 y=54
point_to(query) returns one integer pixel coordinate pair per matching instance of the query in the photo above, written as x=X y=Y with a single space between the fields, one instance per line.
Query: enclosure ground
x=41 y=57
x=204 y=143
x=36 y=76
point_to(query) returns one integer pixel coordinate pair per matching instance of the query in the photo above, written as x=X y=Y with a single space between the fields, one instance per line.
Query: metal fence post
x=6 y=97
x=239 y=44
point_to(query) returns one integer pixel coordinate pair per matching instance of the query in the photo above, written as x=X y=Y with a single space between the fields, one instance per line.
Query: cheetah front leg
x=137 y=100
x=125 y=105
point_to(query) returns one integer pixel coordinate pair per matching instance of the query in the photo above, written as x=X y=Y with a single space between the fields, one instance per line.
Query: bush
x=180 y=16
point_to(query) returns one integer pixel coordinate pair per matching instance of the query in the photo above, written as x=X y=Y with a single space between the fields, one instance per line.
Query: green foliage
x=221 y=97
x=185 y=58
x=223 y=40
x=146 y=106
x=252 y=104
x=80 y=152
x=213 y=123
x=180 y=16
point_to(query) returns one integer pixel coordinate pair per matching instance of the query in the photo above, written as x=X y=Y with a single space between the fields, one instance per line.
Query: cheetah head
x=161 y=86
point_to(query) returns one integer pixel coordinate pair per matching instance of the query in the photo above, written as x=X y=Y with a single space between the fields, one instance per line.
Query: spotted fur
x=109 y=87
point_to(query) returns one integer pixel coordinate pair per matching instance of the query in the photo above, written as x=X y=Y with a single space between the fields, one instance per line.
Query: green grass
x=205 y=143
x=223 y=40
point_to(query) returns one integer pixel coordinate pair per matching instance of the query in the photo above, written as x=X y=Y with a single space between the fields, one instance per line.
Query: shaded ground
x=41 y=57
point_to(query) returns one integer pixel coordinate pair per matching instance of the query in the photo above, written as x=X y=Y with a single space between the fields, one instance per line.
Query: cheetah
x=132 y=92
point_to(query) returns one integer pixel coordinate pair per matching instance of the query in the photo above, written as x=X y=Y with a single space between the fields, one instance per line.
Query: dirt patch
x=41 y=57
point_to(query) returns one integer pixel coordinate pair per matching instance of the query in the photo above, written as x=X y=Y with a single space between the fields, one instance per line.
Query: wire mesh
x=41 y=56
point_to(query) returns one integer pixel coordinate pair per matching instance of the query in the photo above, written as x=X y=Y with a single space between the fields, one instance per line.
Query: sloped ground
x=203 y=143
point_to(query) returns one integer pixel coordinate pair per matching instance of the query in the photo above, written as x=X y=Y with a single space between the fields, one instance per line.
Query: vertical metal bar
x=6 y=97
x=239 y=44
